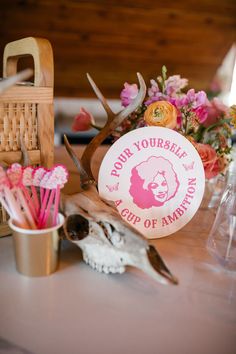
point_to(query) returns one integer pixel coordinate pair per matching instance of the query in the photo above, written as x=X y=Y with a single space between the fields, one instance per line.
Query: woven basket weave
x=27 y=110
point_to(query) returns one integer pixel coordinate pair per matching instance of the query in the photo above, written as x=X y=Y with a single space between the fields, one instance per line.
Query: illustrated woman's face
x=159 y=188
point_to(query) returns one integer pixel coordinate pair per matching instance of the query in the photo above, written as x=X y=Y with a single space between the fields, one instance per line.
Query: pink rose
x=216 y=110
x=128 y=94
x=82 y=121
x=209 y=159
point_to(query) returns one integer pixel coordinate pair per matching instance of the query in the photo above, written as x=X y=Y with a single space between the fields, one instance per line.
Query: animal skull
x=108 y=243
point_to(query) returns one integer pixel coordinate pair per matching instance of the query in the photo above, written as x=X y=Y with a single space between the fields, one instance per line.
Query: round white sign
x=156 y=179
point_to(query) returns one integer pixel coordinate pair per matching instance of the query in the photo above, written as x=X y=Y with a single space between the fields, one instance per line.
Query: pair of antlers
x=113 y=121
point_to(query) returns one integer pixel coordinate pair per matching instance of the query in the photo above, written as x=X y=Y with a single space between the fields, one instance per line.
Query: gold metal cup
x=36 y=251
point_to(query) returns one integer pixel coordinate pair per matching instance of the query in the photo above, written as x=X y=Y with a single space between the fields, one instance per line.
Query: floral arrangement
x=206 y=124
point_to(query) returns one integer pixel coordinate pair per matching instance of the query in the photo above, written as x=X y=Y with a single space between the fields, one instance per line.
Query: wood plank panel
x=114 y=39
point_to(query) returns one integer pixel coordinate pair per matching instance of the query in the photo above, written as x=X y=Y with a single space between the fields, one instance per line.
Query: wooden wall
x=113 y=39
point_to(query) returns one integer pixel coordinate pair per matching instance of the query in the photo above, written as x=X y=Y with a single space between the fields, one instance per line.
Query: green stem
x=199 y=134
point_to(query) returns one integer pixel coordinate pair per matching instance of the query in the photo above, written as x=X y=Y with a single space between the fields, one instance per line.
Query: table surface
x=77 y=310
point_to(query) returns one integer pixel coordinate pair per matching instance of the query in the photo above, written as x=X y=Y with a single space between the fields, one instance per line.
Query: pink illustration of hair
x=143 y=177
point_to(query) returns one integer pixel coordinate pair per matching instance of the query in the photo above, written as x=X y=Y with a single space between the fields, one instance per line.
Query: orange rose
x=161 y=114
x=209 y=159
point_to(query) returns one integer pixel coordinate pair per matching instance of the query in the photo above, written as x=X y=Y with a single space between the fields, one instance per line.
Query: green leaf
x=221 y=122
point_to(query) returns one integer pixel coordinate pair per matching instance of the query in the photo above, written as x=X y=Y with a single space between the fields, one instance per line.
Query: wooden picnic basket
x=26 y=109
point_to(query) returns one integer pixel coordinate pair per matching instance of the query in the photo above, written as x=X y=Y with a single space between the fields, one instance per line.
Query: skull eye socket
x=76 y=227
x=113 y=236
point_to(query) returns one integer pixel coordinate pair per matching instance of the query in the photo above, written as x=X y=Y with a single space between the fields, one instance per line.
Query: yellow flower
x=161 y=114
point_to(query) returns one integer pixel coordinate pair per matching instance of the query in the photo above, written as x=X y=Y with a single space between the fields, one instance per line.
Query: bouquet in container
x=206 y=124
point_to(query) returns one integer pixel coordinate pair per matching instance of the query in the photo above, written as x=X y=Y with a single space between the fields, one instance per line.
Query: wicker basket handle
x=41 y=51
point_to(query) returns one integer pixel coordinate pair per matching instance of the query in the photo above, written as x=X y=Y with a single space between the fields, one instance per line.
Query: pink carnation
x=82 y=121
x=128 y=94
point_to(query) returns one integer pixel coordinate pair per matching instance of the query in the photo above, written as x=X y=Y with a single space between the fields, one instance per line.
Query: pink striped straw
x=16 y=212
x=27 y=181
x=4 y=203
x=38 y=174
x=56 y=207
x=58 y=178
x=48 y=209
x=26 y=208
x=15 y=175
x=13 y=208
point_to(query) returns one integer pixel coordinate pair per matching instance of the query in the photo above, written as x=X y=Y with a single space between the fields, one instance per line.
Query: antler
x=113 y=121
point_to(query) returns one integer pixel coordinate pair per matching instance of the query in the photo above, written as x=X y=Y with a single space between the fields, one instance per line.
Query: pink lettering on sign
x=160 y=143
x=150 y=223
x=155 y=178
x=121 y=160
x=129 y=216
x=169 y=219
x=153 y=182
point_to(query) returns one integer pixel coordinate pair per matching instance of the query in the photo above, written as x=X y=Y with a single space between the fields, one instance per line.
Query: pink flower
x=82 y=121
x=194 y=99
x=159 y=96
x=201 y=113
x=128 y=94
x=195 y=102
x=154 y=89
x=200 y=99
x=216 y=110
x=209 y=159
x=174 y=84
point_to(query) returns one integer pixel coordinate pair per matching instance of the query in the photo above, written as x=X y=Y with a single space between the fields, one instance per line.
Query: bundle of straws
x=31 y=195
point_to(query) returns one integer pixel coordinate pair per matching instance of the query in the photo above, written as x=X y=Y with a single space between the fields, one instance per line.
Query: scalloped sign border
x=156 y=179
